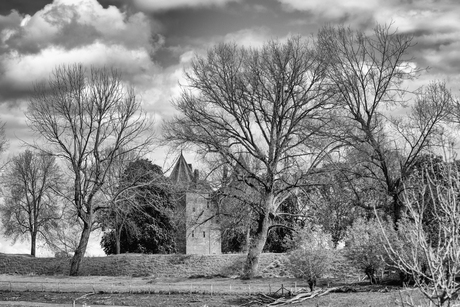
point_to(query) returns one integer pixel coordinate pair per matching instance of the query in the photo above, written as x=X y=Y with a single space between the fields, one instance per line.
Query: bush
x=310 y=256
x=365 y=246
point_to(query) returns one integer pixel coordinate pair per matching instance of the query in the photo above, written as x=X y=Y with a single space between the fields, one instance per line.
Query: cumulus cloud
x=164 y=5
x=69 y=31
x=71 y=23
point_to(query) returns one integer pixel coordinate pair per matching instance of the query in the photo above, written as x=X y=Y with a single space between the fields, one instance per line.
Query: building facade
x=199 y=230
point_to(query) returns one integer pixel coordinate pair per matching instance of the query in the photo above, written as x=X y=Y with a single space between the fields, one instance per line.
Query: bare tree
x=432 y=258
x=3 y=139
x=266 y=103
x=31 y=207
x=367 y=73
x=87 y=118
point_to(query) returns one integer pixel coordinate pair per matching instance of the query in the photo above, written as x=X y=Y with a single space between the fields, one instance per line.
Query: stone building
x=199 y=231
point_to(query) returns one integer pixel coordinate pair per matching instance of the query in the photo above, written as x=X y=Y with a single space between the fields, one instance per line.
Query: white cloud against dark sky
x=151 y=41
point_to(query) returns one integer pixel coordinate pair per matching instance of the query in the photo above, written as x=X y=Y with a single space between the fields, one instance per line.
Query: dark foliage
x=149 y=228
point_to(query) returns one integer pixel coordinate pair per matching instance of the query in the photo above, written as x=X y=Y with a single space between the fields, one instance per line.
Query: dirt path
x=148 y=285
x=48 y=299
x=36 y=304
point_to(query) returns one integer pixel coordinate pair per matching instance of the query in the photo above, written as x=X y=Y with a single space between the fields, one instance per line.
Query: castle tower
x=200 y=231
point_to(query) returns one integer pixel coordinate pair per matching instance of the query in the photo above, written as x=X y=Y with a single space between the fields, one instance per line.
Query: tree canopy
x=147 y=209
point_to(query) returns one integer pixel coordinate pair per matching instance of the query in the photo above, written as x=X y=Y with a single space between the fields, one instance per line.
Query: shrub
x=61 y=254
x=310 y=256
x=365 y=246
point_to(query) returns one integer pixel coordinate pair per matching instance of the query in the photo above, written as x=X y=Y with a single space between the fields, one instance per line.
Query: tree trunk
x=117 y=240
x=258 y=241
x=248 y=238
x=256 y=246
x=81 y=249
x=33 y=243
x=370 y=273
x=398 y=208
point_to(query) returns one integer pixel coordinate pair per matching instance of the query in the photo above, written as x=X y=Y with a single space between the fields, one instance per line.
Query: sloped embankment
x=271 y=265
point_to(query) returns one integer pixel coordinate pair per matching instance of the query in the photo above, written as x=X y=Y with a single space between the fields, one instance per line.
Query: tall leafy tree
x=144 y=223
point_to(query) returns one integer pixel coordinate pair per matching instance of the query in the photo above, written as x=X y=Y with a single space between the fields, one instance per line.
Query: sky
x=153 y=41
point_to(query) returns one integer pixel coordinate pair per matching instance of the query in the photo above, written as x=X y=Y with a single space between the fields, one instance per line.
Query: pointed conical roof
x=182 y=172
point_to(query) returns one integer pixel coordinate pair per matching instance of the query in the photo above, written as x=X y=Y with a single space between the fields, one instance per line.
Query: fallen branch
x=269 y=301
x=302 y=297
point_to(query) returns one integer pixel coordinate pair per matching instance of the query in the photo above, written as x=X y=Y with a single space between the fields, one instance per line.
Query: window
x=207 y=204
x=193 y=209
x=204 y=234
x=193 y=234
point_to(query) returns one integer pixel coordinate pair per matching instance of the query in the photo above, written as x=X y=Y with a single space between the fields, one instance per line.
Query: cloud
x=407 y=15
x=71 y=23
x=254 y=37
x=69 y=31
x=331 y=9
x=164 y=5
x=434 y=25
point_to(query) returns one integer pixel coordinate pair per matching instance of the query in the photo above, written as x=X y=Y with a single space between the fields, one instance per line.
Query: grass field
x=170 y=280
x=155 y=292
